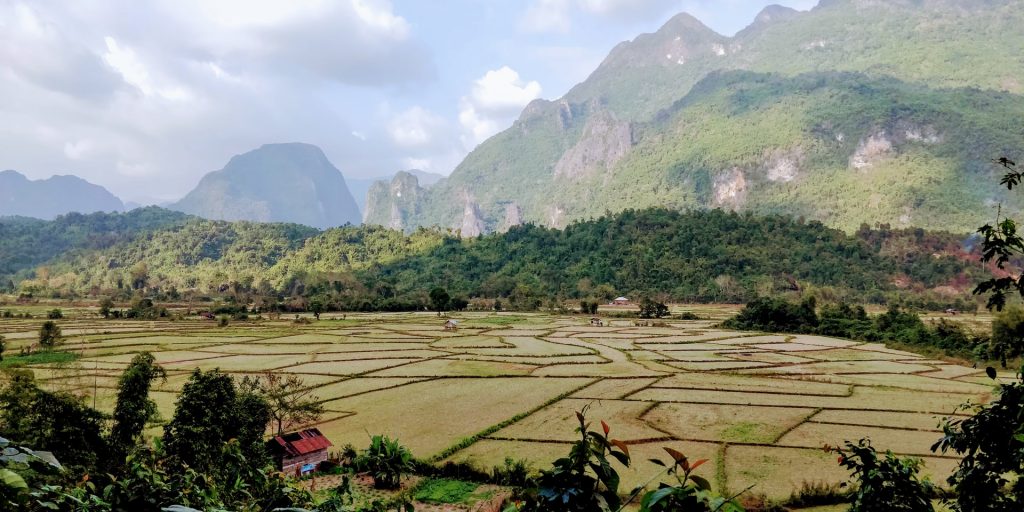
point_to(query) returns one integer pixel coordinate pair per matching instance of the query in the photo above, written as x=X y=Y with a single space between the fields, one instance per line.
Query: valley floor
x=759 y=406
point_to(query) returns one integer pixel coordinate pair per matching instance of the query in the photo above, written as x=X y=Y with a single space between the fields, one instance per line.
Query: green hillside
x=857 y=111
x=708 y=255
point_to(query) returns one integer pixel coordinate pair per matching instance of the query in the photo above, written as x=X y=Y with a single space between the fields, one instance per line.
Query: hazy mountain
x=856 y=111
x=275 y=183
x=361 y=186
x=57 y=195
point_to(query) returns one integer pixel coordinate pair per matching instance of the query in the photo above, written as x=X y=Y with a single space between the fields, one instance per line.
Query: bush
x=55 y=314
x=386 y=460
x=776 y=315
x=514 y=472
x=990 y=475
x=585 y=479
x=49 y=334
x=884 y=484
x=652 y=309
x=223 y=321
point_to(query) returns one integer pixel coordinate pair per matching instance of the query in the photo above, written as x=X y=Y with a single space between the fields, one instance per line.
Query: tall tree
x=290 y=401
x=134 y=408
x=202 y=420
x=210 y=411
x=439 y=300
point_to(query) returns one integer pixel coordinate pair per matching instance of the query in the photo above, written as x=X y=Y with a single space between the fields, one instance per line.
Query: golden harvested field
x=759 y=406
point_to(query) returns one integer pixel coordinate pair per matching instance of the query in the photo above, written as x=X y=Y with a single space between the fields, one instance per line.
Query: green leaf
x=702 y=484
x=12 y=480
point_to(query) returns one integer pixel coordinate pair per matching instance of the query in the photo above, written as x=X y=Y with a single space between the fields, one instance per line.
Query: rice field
x=759 y=406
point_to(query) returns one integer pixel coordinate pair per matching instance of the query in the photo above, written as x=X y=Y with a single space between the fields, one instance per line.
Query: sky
x=146 y=97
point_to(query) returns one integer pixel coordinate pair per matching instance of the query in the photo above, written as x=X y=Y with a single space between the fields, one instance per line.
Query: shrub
x=584 y=480
x=514 y=472
x=812 y=494
x=990 y=476
x=691 y=492
x=884 y=484
x=652 y=309
x=49 y=334
x=55 y=314
x=223 y=321
x=386 y=460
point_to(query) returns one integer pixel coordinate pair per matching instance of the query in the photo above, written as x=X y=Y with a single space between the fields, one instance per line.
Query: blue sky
x=146 y=97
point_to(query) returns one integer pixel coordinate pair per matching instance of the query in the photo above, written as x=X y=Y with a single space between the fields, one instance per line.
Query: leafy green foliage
x=55 y=422
x=991 y=442
x=703 y=256
x=777 y=315
x=439 y=300
x=133 y=408
x=650 y=308
x=386 y=460
x=444 y=490
x=289 y=401
x=690 y=493
x=884 y=483
x=845 y=321
x=584 y=480
x=49 y=334
x=211 y=411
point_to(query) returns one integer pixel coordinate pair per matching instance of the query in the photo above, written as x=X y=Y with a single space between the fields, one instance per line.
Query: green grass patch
x=443 y=490
x=48 y=357
x=497 y=320
x=742 y=432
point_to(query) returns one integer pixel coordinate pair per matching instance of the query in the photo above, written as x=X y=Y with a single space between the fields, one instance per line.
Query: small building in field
x=621 y=301
x=451 y=325
x=299 y=452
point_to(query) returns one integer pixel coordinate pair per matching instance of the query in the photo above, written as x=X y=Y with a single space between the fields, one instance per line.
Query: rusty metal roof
x=302 y=442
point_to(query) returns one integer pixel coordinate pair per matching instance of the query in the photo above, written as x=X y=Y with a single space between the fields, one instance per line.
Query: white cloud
x=495 y=99
x=97 y=88
x=501 y=91
x=416 y=127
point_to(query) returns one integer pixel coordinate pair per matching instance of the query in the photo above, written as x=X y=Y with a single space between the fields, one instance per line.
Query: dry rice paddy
x=758 y=406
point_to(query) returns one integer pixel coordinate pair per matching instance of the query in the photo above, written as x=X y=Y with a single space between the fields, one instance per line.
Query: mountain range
x=857 y=111
x=46 y=199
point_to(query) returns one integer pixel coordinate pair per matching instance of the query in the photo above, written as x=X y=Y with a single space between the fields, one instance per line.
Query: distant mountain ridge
x=857 y=111
x=57 y=195
x=292 y=182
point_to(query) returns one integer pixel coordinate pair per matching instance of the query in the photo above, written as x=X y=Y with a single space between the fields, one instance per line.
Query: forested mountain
x=275 y=183
x=26 y=243
x=57 y=195
x=698 y=256
x=856 y=111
